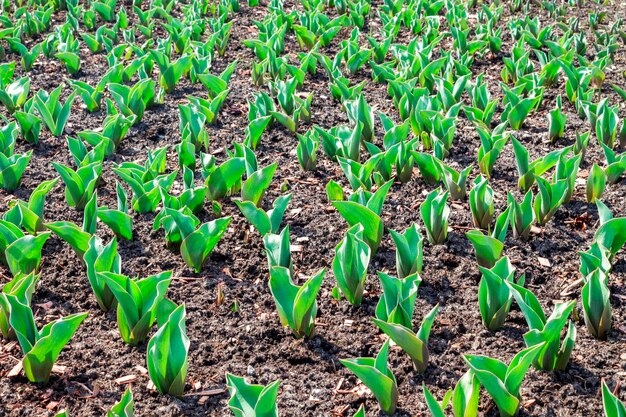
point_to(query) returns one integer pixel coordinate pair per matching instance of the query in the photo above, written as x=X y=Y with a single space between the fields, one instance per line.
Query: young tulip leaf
x=436 y=409
x=20 y=287
x=12 y=168
x=597 y=304
x=102 y=258
x=494 y=296
x=612 y=235
x=352 y=256
x=376 y=375
x=596 y=181
x=23 y=255
x=254 y=187
x=503 y=382
x=613 y=407
x=167 y=354
x=137 y=302
x=199 y=244
x=481 y=203
x=408 y=251
x=415 y=345
x=397 y=302
x=248 y=400
x=435 y=212
x=223 y=178
x=41 y=347
x=355 y=213
x=278 y=249
x=488 y=249
x=296 y=305
x=265 y=222
x=125 y=407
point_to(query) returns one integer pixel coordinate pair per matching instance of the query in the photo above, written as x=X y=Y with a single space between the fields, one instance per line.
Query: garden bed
x=232 y=321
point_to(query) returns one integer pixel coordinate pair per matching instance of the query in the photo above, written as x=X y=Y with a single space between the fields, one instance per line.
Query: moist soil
x=242 y=334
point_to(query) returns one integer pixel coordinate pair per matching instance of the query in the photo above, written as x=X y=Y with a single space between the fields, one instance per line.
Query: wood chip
x=571 y=288
x=339 y=384
x=47 y=394
x=59 y=369
x=141 y=369
x=296 y=248
x=126 y=379
x=9 y=346
x=44 y=306
x=189 y=279
x=544 y=262
x=340 y=412
x=348 y=322
x=151 y=386
x=52 y=405
x=206 y=393
x=217 y=151
x=15 y=371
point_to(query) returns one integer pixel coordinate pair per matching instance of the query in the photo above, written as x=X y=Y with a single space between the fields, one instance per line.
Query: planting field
x=361 y=207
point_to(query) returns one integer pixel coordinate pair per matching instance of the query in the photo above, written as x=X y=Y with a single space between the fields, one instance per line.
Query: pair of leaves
x=296 y=305
x=41 y=347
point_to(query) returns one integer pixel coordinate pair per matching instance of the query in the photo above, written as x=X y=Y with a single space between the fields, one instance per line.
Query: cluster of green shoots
x=596 y=263
x=430 y=81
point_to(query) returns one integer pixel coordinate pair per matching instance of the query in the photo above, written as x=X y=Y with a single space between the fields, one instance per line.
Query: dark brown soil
x=251 y=341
